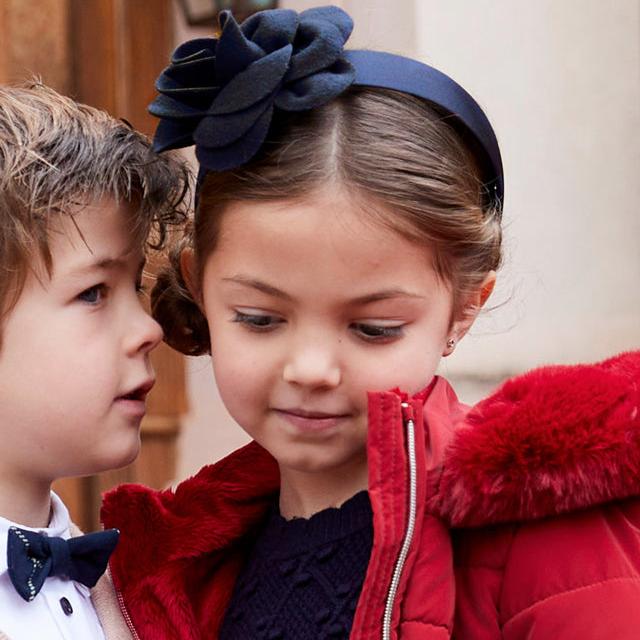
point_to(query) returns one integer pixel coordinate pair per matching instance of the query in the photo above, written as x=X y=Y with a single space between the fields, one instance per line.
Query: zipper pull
x=407 y=412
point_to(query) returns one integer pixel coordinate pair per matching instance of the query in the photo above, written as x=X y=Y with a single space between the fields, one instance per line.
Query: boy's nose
x=145 y=334
x=312 y=366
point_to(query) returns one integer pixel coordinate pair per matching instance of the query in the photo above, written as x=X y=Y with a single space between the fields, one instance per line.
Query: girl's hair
x=57 y=156
x=396 y=153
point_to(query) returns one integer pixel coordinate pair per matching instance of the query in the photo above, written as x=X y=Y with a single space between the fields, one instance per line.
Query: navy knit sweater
x=303 y=579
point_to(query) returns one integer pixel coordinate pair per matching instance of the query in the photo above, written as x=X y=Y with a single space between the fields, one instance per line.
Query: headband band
x=220 y=94
x=390 y=71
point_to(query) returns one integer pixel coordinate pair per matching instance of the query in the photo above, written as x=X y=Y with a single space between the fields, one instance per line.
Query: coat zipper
x=408 y=420
x=126 y=616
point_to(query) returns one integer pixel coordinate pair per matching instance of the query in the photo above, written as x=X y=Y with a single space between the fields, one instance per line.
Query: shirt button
x=66 y=606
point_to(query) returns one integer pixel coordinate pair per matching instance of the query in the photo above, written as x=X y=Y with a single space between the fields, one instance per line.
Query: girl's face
x=311 y=305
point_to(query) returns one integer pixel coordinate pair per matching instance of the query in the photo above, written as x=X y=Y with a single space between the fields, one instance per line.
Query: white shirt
x=44 y=617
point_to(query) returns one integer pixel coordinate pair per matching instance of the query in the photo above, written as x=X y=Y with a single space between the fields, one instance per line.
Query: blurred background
x=560 y=82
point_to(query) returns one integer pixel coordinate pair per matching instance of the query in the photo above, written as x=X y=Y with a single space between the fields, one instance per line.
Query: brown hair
x=56 y=156
x=392 y=150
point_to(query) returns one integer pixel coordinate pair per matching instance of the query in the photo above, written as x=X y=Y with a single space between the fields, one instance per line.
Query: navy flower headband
x=219 y=94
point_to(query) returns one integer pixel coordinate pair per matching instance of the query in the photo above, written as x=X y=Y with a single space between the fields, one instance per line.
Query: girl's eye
x=93 y=295
x=376 y=332
x=257 y=321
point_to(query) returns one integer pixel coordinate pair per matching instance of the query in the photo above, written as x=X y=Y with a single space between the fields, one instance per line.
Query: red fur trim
x=551 y=441
x=233 y=494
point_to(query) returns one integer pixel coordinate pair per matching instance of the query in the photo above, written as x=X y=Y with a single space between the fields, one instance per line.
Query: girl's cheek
x=241 y=367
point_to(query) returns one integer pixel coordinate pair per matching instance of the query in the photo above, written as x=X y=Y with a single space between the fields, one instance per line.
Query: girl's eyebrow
x=254 y=283
x=385 y=294
x=270 y=290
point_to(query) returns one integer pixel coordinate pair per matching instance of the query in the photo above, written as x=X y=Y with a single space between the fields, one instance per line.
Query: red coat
x=517 y=520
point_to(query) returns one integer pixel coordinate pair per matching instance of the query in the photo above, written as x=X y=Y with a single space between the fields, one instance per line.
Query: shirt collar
x=59 y=526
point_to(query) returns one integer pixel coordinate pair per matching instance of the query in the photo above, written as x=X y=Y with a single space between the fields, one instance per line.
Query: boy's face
x=74 y=360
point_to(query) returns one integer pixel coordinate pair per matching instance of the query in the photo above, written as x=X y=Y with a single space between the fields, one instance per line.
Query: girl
x=346 y=235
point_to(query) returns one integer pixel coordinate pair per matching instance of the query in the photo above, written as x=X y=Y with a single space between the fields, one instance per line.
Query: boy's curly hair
x=57 y=156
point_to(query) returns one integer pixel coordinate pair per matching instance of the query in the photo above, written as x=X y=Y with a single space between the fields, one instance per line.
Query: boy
x=80 y=193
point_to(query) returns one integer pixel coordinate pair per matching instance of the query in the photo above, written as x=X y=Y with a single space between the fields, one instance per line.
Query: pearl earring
x=450 y=343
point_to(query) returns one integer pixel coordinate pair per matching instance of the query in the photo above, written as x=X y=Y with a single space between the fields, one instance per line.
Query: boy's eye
x=377 y=332
x=93 y=295
x=257 y=321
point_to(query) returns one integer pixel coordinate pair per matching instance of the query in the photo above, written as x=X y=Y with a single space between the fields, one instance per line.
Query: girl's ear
x=187 y=270
x=474 y=303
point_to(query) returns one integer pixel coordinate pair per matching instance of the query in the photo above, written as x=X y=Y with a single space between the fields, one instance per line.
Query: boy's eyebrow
x=103 y=264
x=385 y=294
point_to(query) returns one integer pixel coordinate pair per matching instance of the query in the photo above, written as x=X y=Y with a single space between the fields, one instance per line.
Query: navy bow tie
x=33 y=557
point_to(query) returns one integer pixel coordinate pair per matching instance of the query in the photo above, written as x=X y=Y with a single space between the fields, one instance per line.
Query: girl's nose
x=312 y=366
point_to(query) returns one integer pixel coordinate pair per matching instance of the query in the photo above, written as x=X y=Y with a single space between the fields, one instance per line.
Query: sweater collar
x=326 y=527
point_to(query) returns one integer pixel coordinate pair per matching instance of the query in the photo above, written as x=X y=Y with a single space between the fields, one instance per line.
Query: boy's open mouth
x=139 y=393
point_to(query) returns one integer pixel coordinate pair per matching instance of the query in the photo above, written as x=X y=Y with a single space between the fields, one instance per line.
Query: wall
x=560 y=82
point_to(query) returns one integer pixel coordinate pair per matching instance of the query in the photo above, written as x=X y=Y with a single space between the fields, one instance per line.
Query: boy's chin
x=108 y=460
x=124 y=457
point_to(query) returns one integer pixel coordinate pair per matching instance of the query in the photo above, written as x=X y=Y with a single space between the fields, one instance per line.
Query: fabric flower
x=220 y=93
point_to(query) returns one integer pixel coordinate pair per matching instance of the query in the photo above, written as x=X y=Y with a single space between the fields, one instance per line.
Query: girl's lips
x=311 y=421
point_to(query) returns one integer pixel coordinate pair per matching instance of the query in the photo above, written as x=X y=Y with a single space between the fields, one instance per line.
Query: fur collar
x=201 y=515
x=551 y=441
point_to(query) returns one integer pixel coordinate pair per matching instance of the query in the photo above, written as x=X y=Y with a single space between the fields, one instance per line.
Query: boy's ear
x=187 y=270
x=474 y=303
